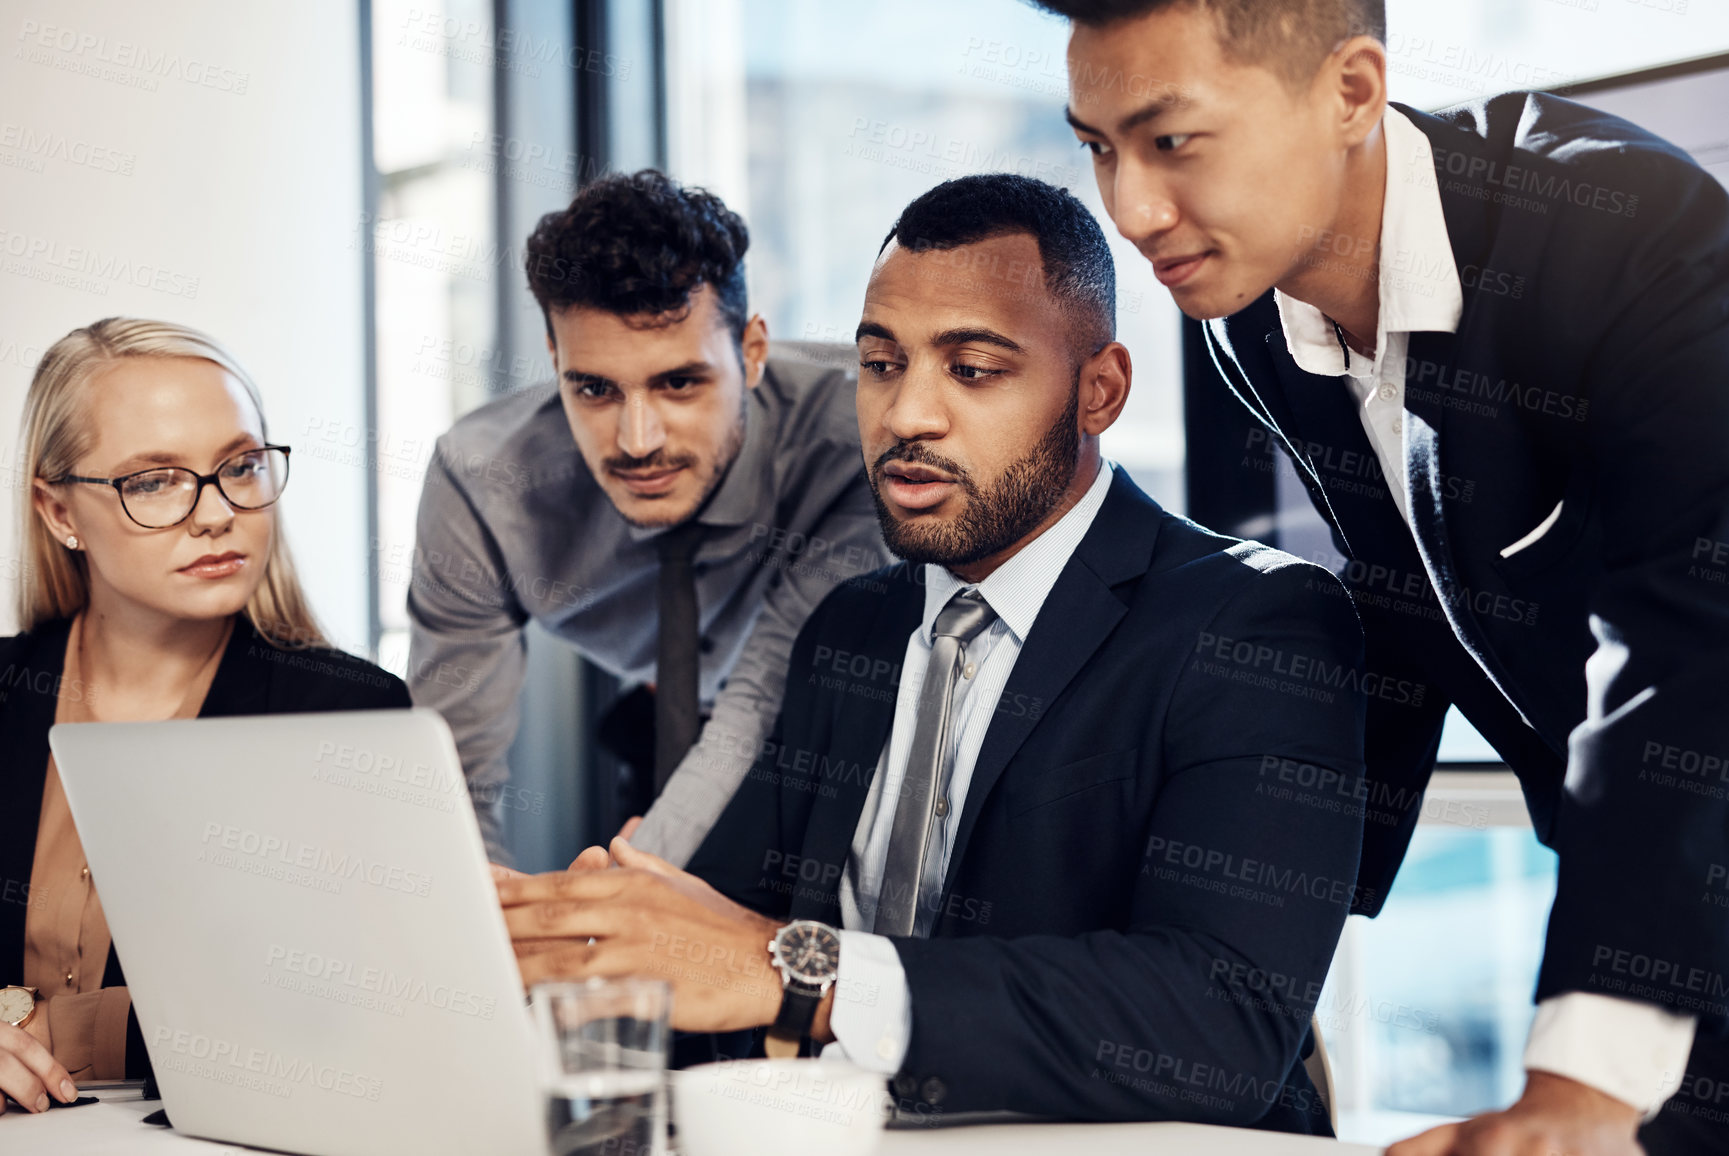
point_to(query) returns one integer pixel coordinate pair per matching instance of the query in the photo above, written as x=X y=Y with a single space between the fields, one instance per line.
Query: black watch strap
x=798 y=1004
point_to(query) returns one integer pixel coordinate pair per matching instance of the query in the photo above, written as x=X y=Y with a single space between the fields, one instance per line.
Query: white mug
x=747 y=1107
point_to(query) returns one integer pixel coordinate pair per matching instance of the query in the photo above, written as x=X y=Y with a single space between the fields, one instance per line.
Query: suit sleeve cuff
x=872 y=1015
x=1636 y=1052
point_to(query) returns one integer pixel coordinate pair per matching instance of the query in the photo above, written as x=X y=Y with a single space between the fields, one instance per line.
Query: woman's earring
x=72 y=541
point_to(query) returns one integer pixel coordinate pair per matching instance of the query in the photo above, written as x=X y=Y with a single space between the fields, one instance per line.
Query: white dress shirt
x=872 y=1014
x=1636 y=1052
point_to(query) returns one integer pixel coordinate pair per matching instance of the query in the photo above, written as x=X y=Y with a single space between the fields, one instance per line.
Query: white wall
x=198 y=162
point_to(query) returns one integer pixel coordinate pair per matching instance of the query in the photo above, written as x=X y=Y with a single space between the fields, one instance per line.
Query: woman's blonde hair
x=56 y=434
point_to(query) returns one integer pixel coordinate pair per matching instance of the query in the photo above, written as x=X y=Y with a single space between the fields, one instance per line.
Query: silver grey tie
x=923 y=804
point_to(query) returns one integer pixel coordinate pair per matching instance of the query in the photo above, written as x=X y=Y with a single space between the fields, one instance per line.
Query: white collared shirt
x=872 y=1013
x=1634 y=1051
x=1420 y=292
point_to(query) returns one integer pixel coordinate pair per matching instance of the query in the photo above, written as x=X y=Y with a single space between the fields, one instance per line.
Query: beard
x=661 y=460
x=993 y=518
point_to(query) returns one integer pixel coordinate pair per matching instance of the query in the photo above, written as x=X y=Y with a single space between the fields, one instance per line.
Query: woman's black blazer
x=253 y=677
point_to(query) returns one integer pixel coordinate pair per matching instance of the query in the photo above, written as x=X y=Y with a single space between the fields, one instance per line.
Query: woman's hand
x=28 y=1070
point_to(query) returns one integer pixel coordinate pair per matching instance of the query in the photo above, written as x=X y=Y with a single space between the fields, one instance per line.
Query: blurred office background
x=340 y=190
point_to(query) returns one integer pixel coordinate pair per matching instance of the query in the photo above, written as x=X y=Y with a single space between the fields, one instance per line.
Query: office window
x=437 y=263
x=819 y=122
x=1426 y=1010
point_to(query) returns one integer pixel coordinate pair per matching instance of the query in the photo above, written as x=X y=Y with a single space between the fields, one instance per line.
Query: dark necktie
x=914 y=850
x=676 y=672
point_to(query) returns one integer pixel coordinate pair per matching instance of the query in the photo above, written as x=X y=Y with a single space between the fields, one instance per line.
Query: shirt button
x=69 y=978
x=942 y=808
x=886 y=1048
x=969 y=670
x=1388 y=393
x=1398 y=425
x=933 y=1090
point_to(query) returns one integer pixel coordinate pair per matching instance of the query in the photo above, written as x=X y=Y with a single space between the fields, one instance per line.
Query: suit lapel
x=1431 y=360
x=859 y=727
x=1076 y=618
x=1323 y=406
x=1275 y=409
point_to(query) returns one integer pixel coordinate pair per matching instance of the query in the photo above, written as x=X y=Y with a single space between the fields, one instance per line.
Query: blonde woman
x=155 y=584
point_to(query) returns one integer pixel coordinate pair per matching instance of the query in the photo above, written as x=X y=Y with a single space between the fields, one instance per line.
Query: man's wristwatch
x=807 y=955
x=18 y=1005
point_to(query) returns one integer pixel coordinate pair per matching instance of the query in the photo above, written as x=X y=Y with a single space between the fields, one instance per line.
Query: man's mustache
x=917 y=453
x=658 y=460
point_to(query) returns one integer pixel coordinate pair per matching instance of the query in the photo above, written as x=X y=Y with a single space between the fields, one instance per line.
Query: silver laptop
x=309 y=930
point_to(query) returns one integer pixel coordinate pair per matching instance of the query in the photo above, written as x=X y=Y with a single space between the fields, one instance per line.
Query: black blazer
x=1157 y=848
x=253 y=677
x=1589 y=377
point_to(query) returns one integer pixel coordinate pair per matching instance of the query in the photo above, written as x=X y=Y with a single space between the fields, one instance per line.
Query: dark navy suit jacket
x=1588 y=380
x=1157 y=847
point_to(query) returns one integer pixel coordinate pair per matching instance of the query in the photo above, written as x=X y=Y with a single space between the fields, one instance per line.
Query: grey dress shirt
x=513 y=526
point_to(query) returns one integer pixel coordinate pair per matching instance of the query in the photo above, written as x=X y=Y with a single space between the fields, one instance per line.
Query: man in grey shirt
x=675 y=472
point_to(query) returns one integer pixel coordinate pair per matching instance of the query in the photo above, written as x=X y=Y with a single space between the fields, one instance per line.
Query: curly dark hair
x=640 y=246
x=1292 y=37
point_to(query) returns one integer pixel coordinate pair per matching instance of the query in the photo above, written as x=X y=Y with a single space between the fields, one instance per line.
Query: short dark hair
x=1292 y=37
x=1077 y=261
x=640 y=245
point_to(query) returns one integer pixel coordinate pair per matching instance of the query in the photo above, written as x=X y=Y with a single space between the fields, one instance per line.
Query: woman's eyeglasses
x=165 y=496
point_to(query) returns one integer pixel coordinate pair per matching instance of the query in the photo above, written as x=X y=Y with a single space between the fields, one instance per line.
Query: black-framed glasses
x=165 y=496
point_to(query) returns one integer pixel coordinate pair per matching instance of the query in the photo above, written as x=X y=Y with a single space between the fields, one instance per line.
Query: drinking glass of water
x=605 y=1042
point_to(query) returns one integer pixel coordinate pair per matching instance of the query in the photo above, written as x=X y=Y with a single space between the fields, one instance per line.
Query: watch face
x=809 y=950
x=15 y=1004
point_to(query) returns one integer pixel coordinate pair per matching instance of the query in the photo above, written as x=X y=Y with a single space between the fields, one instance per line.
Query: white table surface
x=115 y=1128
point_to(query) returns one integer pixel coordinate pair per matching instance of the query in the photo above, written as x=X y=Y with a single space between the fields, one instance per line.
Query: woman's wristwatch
x=18 y=1005
x=807 y=955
